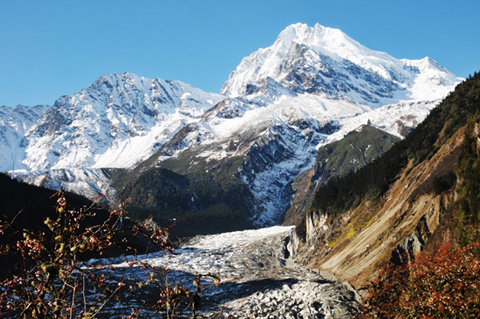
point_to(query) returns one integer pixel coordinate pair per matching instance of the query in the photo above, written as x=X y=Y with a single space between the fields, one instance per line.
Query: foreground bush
x=50 y=281
x=443 y=285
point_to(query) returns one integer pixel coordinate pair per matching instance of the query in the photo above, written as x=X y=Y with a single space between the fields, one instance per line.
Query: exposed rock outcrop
x=413 y=244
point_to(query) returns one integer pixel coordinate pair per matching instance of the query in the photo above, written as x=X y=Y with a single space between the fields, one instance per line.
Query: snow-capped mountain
x=311 y=87
x=327 y=62
x=117 y=122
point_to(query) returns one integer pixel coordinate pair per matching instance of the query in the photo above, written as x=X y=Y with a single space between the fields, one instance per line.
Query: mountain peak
x=114 y=79
x=316 y=59
x=291 y=33
x=317 y=37
x=328 y=42
x=429 y=63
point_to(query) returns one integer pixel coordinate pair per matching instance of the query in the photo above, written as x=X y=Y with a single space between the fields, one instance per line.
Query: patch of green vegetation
x=332 y=241
x=218 y=211
x=351 y=231
x=467 y=219
x=361 y=219
x=185 y=187
x=356 y=149
x=114 y=173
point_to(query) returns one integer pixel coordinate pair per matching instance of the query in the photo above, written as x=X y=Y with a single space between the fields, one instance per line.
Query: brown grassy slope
x=354 y=245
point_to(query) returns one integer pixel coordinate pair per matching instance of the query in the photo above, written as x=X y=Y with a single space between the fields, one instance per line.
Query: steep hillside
x=200 y=203
x=28 y=207
x=334 y=160
x=33 y=204
x=402 y=202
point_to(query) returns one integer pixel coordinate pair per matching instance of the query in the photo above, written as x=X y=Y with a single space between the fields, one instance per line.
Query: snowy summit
x=331 y=58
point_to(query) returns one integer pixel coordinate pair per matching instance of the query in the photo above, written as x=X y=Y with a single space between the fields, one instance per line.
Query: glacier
x=256 y=274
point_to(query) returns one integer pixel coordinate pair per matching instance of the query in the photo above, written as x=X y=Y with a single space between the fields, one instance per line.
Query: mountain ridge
x=333 y=45
x=280 y=105
x=120 y=108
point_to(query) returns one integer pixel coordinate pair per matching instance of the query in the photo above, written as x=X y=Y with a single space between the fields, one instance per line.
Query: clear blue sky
x=53 y=48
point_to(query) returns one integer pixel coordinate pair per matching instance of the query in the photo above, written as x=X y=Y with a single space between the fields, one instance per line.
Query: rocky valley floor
x=259 y=280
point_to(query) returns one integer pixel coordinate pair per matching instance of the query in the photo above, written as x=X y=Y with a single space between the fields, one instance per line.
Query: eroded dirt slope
x=354 y=245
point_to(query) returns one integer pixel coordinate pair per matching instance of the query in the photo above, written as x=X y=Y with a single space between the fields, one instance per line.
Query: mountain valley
x=318 y=163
